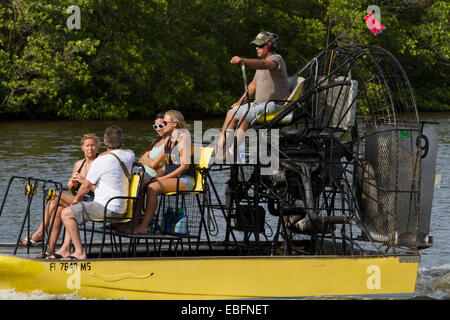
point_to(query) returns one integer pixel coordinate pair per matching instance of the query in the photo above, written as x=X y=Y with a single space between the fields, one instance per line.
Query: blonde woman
x=177 y=156
x=89 y=145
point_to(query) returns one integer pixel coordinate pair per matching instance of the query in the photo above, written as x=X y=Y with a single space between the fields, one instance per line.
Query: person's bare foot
x=46 y=255
x=139 y=229
x=35 y=239
x=60 y=253
x=54 y=256
x=75 y=256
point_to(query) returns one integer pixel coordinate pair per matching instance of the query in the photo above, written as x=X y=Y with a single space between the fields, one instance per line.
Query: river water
x=48 y=150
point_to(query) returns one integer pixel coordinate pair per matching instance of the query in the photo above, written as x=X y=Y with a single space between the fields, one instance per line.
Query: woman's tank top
x=172 y=160
x=75 y=189
x=153 y=154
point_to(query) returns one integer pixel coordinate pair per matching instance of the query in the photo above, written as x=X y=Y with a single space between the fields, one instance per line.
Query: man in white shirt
x=110 y=180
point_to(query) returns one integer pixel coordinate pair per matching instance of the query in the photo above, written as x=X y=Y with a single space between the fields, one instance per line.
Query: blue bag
x=167 y=221
x=181 y=223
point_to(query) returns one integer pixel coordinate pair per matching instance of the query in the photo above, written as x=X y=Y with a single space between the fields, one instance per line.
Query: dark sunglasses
x=159 y=126
x=261 y=46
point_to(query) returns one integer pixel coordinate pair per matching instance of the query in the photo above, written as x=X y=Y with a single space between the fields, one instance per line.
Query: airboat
x=348 y=205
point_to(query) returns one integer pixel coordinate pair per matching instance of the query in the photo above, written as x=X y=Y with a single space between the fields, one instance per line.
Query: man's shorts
x=256 y=109
x=86 y=211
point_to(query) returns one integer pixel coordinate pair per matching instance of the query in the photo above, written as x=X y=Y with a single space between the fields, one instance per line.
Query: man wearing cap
x=269 y=83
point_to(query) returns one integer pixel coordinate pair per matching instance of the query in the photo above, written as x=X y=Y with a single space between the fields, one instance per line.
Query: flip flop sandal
x=70 y=258
x=44 y=256
x=31 y=242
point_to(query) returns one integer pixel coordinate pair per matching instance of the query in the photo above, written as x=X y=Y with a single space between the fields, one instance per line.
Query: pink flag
x=373 y=24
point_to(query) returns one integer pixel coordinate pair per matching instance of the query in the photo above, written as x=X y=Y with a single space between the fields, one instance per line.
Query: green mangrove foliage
x=123 y=59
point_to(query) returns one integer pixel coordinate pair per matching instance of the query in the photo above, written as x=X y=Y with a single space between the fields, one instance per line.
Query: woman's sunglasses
x=159 y=126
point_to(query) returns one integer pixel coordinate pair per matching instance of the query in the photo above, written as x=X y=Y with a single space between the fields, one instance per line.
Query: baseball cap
x=264 y=37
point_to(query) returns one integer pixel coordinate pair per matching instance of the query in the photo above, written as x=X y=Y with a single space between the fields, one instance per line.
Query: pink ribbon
x=373 y=24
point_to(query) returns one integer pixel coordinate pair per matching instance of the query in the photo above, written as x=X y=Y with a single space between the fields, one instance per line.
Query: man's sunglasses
x=261 y=45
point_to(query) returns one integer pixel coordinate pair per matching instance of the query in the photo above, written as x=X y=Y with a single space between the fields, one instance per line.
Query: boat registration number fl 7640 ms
x=64 y=266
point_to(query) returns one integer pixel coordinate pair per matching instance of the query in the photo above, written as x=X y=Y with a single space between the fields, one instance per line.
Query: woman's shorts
x=188 y=181
x=256 y=109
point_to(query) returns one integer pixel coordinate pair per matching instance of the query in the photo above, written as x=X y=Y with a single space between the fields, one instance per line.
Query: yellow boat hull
x=213 y=277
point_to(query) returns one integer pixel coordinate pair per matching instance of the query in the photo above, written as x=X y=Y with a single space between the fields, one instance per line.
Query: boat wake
x=434 y=282
x=11 y=294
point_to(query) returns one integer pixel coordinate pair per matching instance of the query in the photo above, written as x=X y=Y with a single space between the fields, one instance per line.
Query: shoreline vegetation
x=124 y=62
